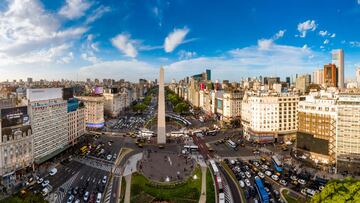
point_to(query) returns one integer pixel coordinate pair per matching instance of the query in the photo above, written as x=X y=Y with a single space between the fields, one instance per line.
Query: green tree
x=181 y=107
x=139 y=107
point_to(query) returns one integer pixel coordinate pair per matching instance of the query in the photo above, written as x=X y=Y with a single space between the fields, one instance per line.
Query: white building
x=318 y=77
x=16 y=142
x=232 y=105
x=94 y=111
x=348 y=134
x=266 y=118
x=48 y=115
x=115 y=102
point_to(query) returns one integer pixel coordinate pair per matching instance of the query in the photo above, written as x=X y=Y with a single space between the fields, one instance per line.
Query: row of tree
x=347 y=190
x=179 y=105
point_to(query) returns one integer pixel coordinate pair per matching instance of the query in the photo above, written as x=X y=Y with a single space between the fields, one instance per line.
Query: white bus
x=214 y=167
x=231 y=144
x=191 y=148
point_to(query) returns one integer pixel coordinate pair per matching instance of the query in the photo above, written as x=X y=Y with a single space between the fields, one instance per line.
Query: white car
x=104 y=179
x=109 y=157
x=265 y=167
x=45 y=183
x=98 y=198
x=86 y=196
x=247 y=182
x=40 y=180
x=53 y=171
x=247 y=173
x=261 y=175
x=293 y=178
x=275 y=177
x=256 y=164
x=283 y=182
x=302 y=181
x=268 y=173
x=71 y=199
x=242 y=184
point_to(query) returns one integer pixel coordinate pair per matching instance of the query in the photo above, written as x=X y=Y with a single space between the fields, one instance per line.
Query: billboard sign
x=14 y=116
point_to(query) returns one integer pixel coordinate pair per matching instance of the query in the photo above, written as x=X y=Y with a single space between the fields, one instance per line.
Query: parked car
x=275 y=177
x=242 y=184
x=247 y=182
x=45 y=183
x=104 y=179
x=268 y=173
x=261 y=175
x=53 y=171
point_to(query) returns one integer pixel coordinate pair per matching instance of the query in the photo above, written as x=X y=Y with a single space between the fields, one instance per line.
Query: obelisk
x=161 y=136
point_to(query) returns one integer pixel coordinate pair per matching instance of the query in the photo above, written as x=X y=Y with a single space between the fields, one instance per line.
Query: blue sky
x=78 y=39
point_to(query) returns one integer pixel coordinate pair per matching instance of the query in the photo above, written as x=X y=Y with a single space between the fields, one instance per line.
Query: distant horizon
x=79 y=39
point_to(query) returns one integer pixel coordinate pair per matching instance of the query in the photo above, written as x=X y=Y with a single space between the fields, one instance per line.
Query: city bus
x=231 y=144
x=277 y=164
x=214 y=167
x=191 y=148
x=264 y=197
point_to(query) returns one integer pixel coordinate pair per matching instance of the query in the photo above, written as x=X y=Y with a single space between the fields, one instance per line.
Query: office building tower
x=48 y=115
x=303 y=82
x=208 y=74
x=318 y=77
x=330 y=75
x=288 y=81
x=338 y=60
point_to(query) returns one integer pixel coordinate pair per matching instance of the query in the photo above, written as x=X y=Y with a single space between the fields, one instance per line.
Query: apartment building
x=317 y=127
x=48 y=115
x=75 y=120
x=232 y=105
x=94 y=110
x=348 y=134
x=16 y=144
x=269 y=117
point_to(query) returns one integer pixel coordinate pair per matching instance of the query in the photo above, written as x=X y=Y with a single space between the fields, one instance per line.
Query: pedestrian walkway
x=131 y=164
x=128 y=187
x=95 y=164
x=61 y=192
x=203 y=184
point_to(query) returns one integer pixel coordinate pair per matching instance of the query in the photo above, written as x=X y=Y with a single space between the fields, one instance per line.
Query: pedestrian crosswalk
x=95 y=164
x=61 y=192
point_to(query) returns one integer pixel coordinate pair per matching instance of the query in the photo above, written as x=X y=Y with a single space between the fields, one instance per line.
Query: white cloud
x=183 y=55
x=66 y=59
x=326 y=41
x=124 y=43
x=74 y=9
x=29 y=34
x=265 y=44
x=174 y=39
x=120 y=69
x=277 y=59
x=358 y=2
x=354 y=43
x=279 y=34
x=89 y=48
x=334 y=35
x=306 y=26
x=322 y=47
x=97 y=13
x=323 y=33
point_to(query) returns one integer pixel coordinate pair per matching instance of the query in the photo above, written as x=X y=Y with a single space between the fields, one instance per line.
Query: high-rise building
x=348 y=134
x=232 y=105
x=208 y=74
x=303 y=82
x=358 y=76
x=338 y=60
x=270 y=81
x=48 y=115
x=288 y=81
x=318 y=77
x=29 y=80
x=330 y=75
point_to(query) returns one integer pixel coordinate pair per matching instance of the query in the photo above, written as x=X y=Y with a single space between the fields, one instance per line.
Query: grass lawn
x=210 y=191
x=288 y=198
x=142 y=190
x=28 y=197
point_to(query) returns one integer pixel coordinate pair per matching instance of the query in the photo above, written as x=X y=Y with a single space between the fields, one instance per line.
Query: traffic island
x=144 y=190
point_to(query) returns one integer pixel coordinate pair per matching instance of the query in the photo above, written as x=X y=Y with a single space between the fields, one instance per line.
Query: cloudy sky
x=131 y=39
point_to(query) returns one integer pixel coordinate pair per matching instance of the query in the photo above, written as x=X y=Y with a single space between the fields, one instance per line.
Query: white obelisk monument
x=161 y=128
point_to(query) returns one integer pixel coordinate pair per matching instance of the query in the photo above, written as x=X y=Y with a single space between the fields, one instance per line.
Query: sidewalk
x=128 y=188
x=203 y=185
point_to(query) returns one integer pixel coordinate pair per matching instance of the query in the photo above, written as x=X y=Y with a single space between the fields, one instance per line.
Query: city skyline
x=79 y=39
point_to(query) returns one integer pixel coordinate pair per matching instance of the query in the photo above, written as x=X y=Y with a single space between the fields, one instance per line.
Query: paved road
x=234 y=192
